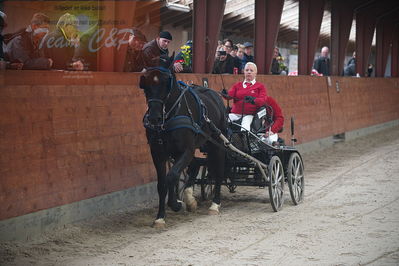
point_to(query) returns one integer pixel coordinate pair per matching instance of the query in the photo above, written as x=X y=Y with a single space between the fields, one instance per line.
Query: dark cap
x=248 y=44
x=165 y=35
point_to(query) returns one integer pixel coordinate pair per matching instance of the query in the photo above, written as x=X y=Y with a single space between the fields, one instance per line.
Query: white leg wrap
x=189 y=199
x=214 y=207
x=160 y=221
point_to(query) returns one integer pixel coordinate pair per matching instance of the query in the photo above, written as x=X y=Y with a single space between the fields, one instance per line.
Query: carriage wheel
x=181 y=183
x=276 y=183
x=207 y=188
x=295 y=178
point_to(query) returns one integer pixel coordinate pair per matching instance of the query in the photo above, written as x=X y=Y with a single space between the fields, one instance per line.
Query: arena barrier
x=66 y=137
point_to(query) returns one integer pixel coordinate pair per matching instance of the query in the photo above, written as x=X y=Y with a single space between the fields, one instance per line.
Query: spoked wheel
x=181 y=183
x=296 y=182
x=276 y=183
x=207 y=187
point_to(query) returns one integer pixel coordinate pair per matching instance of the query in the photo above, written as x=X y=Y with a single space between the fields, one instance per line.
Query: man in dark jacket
x=224 y=63
x=248 y=57
x=322 y=64
x=24 y=47
x=134 y=56
x=61 y=45
x=153 y=50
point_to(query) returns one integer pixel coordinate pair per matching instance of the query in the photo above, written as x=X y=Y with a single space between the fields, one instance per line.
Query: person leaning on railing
x=23 y=47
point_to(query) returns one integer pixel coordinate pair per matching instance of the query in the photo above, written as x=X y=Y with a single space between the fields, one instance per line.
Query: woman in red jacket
x=278 y=121
x=248 y=96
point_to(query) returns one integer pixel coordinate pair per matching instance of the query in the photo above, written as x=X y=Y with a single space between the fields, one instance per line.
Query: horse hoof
x=213 y=212
x=183 y=205
x=214 y=209
x=159 y=224
x=192 y=207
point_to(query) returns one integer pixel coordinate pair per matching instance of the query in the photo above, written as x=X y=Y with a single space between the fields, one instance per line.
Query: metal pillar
x=207 y=22
x=365 y=25
x=310 y=17
x=125 y=11
x=384 y=36
x=267 y=24
x=395 y=53
x=105 y=55
x=341 y=23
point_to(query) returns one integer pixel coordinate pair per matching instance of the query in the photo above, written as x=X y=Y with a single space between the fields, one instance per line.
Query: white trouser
x=270 y=139
x=246 y=120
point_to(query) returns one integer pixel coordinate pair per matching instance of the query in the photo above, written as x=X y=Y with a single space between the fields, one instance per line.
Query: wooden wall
x=68 y=136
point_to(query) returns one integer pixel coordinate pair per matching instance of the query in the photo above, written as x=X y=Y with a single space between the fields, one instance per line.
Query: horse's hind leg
x=216 y=158
x=172 y=178
x=188 y=197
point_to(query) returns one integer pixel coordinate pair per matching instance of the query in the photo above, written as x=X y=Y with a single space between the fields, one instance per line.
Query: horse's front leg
x=159 y=160
x=173 y=176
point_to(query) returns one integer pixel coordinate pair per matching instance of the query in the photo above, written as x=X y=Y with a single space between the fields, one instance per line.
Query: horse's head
x=157 y=84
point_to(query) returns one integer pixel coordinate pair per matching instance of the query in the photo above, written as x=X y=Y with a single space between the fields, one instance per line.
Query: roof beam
x=267 y=23
x=310 y=18
x=207 y=21
x=395 y=53
x=341 y=23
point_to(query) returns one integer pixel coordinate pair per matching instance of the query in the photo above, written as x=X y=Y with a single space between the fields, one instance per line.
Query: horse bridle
x=165 y=115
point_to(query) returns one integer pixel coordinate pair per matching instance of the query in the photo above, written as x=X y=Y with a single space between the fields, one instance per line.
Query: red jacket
x=278 y=117
x=239 y=92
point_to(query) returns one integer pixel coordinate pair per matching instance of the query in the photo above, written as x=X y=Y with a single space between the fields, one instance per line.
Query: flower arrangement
x=281 y=64
x=186 y=54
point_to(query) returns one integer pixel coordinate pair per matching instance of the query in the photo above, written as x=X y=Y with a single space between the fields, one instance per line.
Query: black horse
x=180 y=119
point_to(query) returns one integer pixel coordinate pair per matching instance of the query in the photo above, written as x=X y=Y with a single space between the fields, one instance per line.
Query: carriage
x=253 y=161
x=182 y=118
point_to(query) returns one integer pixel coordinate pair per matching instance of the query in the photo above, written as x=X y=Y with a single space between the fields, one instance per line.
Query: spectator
x=157 y=48
x=134 y=55
x=62 y=44
x=275 y=69
x=353 y=59
x=2 y=26
x=322 y=64
x=185 y=56
x=240 y=52
x=224 y=63
x=350 y=68
x=248 y=96
x=369 y=70
x=233 y=53
x=24 y=46
x=248 y=57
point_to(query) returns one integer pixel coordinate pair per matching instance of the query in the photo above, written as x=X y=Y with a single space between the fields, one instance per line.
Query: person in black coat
x=322 y=64
x=157 y=48
x=224 y=63
x=2 y=26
